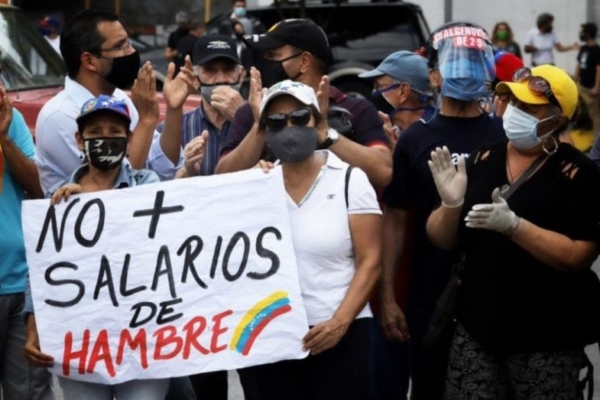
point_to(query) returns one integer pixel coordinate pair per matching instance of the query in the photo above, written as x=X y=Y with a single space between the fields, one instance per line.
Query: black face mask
x=293 y=143
x=105 y=153
x=272 y=72
x=124 y=70
x=582 y=38
x=381 y=104
x=548 y=29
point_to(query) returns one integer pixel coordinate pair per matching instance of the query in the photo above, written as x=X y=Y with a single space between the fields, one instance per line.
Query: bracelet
x=459 y=204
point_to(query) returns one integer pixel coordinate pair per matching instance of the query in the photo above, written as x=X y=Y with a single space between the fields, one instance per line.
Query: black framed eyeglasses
x=537 y=85
x=277 y=121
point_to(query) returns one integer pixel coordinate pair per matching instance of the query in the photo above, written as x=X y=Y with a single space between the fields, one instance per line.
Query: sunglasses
x=277 y=121
x=537 y=85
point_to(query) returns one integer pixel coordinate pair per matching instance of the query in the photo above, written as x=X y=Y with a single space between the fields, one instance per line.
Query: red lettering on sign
x=217 y=331
x=191 y=335
x=167 y=336
x=139 y=341
x=101 y=352
x=69 y=354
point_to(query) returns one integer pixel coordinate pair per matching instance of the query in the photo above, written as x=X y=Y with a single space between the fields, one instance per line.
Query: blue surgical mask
x=521 y=128
x=240 y=12
x=465 y=89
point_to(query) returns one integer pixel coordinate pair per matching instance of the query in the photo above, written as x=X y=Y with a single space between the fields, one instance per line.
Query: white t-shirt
x=321 y=237
x=55 y=43
x=544 y=42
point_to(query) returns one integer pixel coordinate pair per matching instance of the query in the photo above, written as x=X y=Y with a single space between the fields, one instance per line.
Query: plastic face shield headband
x=536 y=85
x=465 y=52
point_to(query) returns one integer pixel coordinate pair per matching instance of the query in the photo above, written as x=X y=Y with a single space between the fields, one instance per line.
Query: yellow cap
x=563 y=87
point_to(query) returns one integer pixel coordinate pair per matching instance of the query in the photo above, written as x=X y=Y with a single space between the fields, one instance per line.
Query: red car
x=31 y=71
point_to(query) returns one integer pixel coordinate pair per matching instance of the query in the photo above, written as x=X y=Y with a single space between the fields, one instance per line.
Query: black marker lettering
x=99 y=227
x=235 y=238
x=51 y=218
x=101 y=282
x=165 y=310
x=156 y=212
x=124 y=273
x=190 y=256
x=164 y=257
x=216 y=255
x=134 y=321
x=266 y=253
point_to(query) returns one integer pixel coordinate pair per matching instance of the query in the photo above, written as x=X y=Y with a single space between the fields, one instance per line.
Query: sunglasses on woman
x=277 y=121
x=537 y=85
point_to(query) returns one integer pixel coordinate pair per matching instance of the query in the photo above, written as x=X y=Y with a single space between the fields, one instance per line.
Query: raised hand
x=391 y=131
x=177 y=89
x=256 y=93
x=143 y=94
x=5 y=112
x=226 y=100
x=323 y=95
x=496 y=216
x=451 y=182
x=194 y=153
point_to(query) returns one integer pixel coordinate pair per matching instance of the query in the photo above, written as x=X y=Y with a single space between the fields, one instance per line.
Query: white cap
x=305 y=94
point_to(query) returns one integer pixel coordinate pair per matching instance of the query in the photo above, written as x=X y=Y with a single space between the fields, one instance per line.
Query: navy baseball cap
x=209 y=47
x=301 y=33
x=104 y=103
x=404 y=66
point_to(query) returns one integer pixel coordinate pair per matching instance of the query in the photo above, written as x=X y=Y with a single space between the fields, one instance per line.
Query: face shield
x=465 y=59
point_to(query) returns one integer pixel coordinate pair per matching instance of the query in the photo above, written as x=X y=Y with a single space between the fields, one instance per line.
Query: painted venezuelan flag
x=257 y=319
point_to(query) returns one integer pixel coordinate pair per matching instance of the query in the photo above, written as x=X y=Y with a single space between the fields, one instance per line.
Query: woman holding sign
x=103 y=135
x=336 y=231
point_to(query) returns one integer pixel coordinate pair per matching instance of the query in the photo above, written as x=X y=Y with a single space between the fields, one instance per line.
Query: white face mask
x=521 y=128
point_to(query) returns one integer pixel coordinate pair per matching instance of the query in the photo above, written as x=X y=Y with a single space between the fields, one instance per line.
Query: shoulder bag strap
x=348 y=171
x=526 y=175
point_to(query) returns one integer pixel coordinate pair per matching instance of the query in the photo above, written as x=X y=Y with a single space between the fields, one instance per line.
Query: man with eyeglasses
x=203 y=131
x=100 y=60
x=401 y=91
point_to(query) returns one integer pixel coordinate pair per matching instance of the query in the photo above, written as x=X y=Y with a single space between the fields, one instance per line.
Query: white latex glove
x=495 y=216
x=451 y=182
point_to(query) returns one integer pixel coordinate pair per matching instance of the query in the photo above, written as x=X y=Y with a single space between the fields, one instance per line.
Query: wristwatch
x=332 y=137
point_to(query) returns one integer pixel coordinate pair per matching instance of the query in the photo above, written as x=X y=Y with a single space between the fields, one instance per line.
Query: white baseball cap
x=303 y=93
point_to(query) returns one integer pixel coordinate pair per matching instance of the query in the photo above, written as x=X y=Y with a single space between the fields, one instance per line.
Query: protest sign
x=167 y=279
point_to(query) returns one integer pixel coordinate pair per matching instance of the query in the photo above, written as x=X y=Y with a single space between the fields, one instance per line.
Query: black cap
x=209 y=47
x=301 y=33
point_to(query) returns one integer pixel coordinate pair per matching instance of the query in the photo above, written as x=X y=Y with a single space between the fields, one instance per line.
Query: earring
x=555 y=147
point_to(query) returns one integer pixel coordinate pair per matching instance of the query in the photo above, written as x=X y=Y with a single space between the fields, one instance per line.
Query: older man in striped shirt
x=203 y=131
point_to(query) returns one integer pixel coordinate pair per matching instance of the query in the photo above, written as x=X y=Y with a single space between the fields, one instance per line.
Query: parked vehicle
x=361 y=34
x=31 y=71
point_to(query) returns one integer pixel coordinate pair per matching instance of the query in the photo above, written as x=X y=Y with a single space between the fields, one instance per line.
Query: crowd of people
x=457 y=174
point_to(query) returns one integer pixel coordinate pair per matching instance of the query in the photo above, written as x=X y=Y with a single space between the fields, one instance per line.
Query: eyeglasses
x=537 y=85
x=125 y=46
x=277 y=121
